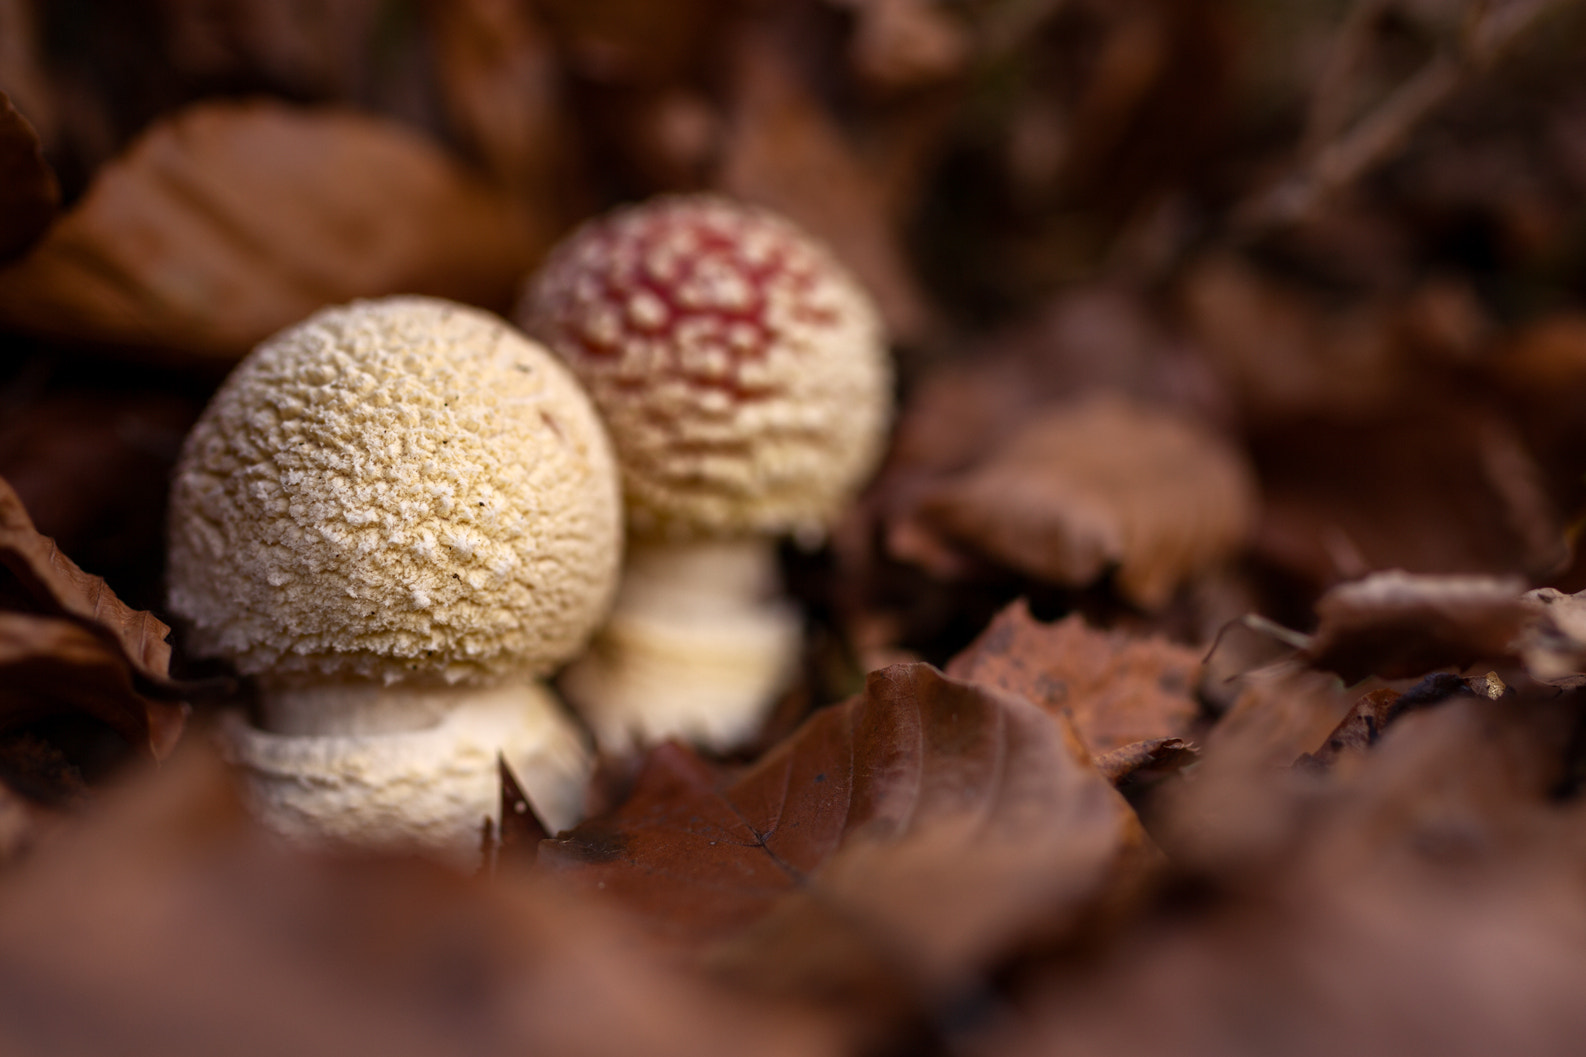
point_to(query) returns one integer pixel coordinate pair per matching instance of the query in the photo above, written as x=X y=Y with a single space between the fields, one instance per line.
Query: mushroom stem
x=356 y=706
x=433 y=787
x=698 y=647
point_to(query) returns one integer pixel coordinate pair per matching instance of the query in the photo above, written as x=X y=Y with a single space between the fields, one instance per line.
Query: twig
x=1489 y=34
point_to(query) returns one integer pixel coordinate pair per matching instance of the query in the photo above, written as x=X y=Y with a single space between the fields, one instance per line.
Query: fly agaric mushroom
x=744 y=377
x=395 y=516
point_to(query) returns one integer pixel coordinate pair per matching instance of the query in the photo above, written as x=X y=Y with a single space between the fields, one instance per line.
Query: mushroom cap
x=741 y=369
x=391 y=489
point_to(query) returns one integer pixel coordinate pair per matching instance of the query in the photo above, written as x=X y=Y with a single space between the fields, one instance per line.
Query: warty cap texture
x=742 y=370
x=393 y=489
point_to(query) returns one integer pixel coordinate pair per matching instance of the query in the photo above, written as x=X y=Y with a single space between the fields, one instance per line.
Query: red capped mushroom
x=743 y=376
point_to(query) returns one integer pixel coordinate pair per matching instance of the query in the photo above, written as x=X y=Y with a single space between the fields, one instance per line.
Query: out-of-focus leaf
x=29 y=194
x=1398 y=626
x=168 y=924
x=1430 y=488
x=228 y=221
x=499 y=79
x=784 y=151
x=899 y=45
x=1115 y=688
x=129 y=639
x=309 y=49
x=1554 y=645
x=903 y=839
x=1421 y=903
x=1106 y=483
x=633 y=41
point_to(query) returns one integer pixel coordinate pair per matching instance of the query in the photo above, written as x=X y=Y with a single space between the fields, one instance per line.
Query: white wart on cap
x=392 y=489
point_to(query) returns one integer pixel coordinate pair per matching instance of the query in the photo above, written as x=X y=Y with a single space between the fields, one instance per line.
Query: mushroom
x=744 y=377
x=395 y=516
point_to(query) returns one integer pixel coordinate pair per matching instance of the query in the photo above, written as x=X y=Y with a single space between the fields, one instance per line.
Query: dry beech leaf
x=1115 y=688
x=29 y=194
x=1554 y=645
x=904 y=838
x=1397 y=625
x=167 y=923
x=784 y=152
x=1427 y=487
x=228 y=221
x=1156 y=755
x=103 y=657
x=498 y=78
x=899 y=45
x=1426 y=904
x=1082 y=489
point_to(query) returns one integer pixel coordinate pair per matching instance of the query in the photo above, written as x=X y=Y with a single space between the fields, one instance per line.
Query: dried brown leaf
x=900 y=840
x=1103 y=484
x=1397 y=626
x=313 y=50
x=1115 y=688
x=898 y=45
x=55 y=586
x=228 y=221
x=29 y=195
x=499 y=80
x=1156 y=755
x=167 y=924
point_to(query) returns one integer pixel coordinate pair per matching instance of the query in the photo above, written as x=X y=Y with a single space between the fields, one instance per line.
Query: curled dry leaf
x=1554 y=645
x=1143 y=757
x=96 y=655
x=29 y=194
x=1115 y=688
x=905 y=838
x=228 y=221
x=1397 y=625
x=168 y=924
x=1102 y=484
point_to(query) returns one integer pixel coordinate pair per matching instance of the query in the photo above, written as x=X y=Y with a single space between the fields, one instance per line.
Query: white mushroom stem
x=433 y=786
x=356 y=706
x=699 y=647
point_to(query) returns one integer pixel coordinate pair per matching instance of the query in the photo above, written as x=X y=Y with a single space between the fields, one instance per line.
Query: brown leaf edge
x=59 y=588
x=29 y=194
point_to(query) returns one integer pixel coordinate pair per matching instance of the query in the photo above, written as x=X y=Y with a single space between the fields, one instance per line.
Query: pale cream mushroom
x=396 y=516
x=744 y=377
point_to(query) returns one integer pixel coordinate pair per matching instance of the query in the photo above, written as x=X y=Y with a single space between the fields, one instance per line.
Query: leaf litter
x=1201 y=311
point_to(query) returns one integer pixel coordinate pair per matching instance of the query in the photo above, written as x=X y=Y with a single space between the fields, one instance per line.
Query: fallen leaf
x=500 y=82
x=1430 y=487
x=910 y=836
x=1115 y=688
x=1157 y=755
x=228 y=221
x=102 y=642
x=1103 y=484
x=167 y=923
x=1554 y=644
x=1397 y=626
x=899 y=45
x=310 y=51
x=29 y=195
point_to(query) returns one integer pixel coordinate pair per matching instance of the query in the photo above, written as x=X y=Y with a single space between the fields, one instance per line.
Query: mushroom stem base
x=432 y=789
x=698 y=647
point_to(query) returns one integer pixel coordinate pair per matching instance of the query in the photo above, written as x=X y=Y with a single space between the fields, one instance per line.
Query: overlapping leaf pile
x=1202 y=673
